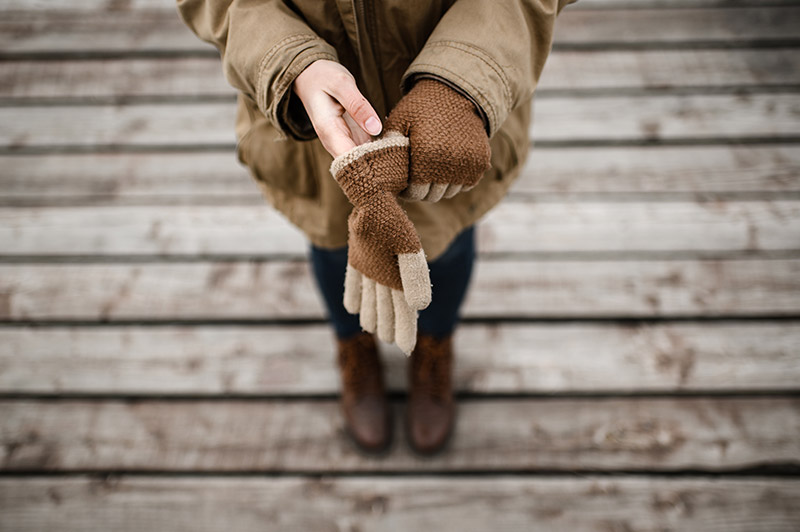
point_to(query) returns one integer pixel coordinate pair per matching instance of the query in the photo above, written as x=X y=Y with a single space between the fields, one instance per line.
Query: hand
x=387 y=277
x=449 y=148
x=340 y=114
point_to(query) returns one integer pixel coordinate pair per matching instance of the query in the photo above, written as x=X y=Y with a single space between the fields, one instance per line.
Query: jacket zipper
x=365 y=11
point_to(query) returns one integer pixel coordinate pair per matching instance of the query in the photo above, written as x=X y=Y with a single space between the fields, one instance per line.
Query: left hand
x=449 y=148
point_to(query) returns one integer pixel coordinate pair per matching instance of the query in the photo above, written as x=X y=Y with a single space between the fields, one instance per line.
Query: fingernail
x=373 y=125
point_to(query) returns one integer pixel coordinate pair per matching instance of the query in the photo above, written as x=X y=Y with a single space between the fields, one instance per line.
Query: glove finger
x=405 y=323
x=368 y=317
x=352 y=290
x=416 y=279
x=385 y=313
x=436 y=192
x=451 y=191
x=415 y=191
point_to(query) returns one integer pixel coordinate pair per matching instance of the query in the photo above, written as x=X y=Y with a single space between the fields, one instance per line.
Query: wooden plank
x=661 y=169
x=663 y=4
x=566 y=70
x=697 y=27
x=215 y=177
x=702 y=227
x=654 y=434
x=669 y=69
x=502 y=288
x=106 y=176
x=86 y=31
x=93 y=78
x=656 y=118
x=562 y=119
x=144 y=5
x=466 y=503
x=500 y=358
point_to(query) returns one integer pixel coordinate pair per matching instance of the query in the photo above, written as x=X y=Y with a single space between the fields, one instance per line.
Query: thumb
x=416 y=279
x=347 y=94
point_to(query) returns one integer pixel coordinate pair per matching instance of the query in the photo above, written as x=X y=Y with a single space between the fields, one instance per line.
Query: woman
x=455 y=78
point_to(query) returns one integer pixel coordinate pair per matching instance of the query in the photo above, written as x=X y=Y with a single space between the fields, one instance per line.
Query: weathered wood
x=662 y=169
x=499 y=435
x=184 y=76
x=598 y=28
x=215 y=177
x=161 y=31
x=603 y=119
x=502 y=288
x=164 y=5
x=467 y=503
x=512 y=227
x=505 y=358
x=655 y=118
x=669 y=69
x=566 y=70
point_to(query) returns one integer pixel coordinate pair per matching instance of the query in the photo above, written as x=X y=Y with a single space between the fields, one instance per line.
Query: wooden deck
x=630 y=359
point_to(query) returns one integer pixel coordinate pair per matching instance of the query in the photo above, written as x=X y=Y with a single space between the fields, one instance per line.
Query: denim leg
x=450 y=276
x=329 y=266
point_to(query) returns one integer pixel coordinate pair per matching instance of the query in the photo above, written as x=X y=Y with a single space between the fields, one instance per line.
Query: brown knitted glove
x=387 y=277
x=449 y=146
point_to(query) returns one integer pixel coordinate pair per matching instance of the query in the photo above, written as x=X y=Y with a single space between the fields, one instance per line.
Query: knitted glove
x=387 y=277
x=448 y=143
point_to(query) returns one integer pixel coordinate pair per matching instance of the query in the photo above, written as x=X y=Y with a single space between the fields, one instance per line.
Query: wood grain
x=512 y=227
x=509 y=288
x=498 y=358
x=566 y=70
x=467 y=503
x=216 y=178
x=564 y=120
x=646 y=434
x=87 y=31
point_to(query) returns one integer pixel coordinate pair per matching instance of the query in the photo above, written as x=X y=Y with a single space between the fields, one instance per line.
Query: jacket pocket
x=282 y=164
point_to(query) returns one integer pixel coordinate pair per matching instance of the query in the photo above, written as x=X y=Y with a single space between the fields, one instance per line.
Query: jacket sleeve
x=264 y=46
x=493 y=52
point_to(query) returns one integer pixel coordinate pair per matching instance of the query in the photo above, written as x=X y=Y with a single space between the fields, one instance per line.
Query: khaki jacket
x=492 y=51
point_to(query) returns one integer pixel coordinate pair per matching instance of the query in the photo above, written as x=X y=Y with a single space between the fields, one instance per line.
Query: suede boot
x=430 y=414
x=367 y=412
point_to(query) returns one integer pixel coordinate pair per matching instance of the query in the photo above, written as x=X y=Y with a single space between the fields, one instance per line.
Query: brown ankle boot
x=431 y=408
x=366 y=411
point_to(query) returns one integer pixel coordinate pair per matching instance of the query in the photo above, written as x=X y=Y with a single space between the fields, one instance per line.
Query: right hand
x=340 y=114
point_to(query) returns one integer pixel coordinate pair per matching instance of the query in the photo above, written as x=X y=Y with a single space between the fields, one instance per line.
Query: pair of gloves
x=434 y=146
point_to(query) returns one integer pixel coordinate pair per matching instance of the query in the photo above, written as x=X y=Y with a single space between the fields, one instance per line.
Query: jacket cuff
x=478 y=77
x=277 y=71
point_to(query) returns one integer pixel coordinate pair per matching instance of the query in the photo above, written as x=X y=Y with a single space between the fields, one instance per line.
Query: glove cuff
x=373 y=169
x=392 y=139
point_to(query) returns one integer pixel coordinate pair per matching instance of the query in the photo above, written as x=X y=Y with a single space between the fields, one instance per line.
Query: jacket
x=491 y=51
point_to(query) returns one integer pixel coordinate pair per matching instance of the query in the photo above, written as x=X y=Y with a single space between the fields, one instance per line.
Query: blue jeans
x=450 y=275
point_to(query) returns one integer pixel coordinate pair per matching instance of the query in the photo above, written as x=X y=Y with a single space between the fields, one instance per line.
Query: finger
x=343 y=88
x=352 y=290
x=415 y=191
x=451 y=191
x=385 y=313
x=405 y=323
x=416 y=279
x=436 y=192
x=368 y=317
x=334 y=134
x=358 y=135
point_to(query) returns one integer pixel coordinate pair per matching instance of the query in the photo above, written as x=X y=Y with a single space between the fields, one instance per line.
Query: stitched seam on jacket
x=286 y=81
x=480 y=54
x=261 y=90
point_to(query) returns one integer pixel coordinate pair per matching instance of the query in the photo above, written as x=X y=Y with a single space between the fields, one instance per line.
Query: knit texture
x=387 y=278
x=379 y=229
x=449 y=149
